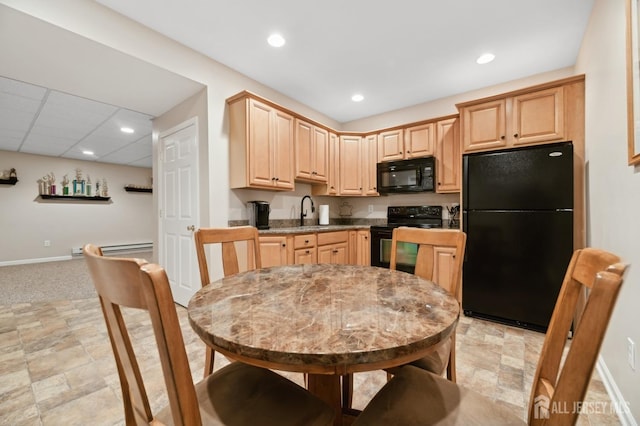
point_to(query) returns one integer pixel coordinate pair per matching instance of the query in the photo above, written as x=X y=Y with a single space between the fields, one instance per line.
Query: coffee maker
x=259 y=214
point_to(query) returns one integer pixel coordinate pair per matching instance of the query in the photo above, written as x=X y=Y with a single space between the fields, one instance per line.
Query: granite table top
x=324 y=318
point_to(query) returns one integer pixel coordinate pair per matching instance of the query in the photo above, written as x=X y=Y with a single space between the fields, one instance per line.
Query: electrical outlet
x=47 y=243
x=631 y=353
x=370 y=208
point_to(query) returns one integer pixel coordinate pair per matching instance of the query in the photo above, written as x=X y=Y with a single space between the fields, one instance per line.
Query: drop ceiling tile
x=24 y=90
x=143 y=162
x=132 y=152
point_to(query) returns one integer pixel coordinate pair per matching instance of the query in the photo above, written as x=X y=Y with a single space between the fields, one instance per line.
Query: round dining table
x=325 y=320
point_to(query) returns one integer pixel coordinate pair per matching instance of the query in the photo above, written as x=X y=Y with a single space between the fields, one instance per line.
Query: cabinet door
x=273 y=251
x=305 y=256
x=484 y=126
x=333 y=181
x=303 y=144
x=391 y=145
x=261 y=159
x=370 y=159
x=363 y=250
x=340 y=253
x=320 y=163
x=448 y=157
x=283 y=150
x=325 y=253
x=443 y=263
x=538 y=117
x=350 y=165
x=419 y=141
x=334 y=253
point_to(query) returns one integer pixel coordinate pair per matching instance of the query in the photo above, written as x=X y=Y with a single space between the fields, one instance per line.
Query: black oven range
x=415 y=216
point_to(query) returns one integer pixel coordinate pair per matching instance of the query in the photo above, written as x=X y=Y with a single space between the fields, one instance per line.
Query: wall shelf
x=137 y=189
x=9 y=181
x=73 y=197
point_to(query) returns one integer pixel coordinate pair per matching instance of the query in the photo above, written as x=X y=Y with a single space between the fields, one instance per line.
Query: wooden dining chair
x=416 y=396
x=229 y=239
x=237 y=394
x=439 y=259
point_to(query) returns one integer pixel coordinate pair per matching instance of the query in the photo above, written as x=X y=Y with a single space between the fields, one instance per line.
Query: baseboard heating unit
x=118 y=248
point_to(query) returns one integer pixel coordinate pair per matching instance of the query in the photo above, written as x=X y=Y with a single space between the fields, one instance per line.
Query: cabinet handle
x=307 y=252
x=400 y=152
x=306 y=241
x=366 y=237
x=284 y=244
x=408 y=152
x=277 y=179
x=515 y=135
x=502 y=137
x=335 y=250
x=191 y=228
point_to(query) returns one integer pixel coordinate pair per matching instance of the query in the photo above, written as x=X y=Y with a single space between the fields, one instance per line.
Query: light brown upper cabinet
x=418 y=140
x=410 y=142
x=370 y=159
x=391 y=145
x=358 y=159
x=351 y=174
x=333 y=178
x=312 y=152
x=448 y=156
x=523 y=119
x=260 y=145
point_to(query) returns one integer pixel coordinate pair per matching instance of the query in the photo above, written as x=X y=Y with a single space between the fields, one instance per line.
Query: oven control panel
x=414 y=212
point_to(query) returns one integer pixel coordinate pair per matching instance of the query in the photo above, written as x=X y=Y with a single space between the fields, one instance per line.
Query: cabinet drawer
x=303 y=241
x=333 y=237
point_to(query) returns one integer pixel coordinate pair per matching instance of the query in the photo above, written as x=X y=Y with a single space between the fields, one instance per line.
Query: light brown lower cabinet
x=339 y=247
x=304 y=249
x=274 y=250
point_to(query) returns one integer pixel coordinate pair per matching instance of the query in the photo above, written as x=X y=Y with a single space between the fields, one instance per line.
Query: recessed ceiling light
x=485 y=58
x=87 y=152
x=276 y=40
x=357 y=97
x=126 y=129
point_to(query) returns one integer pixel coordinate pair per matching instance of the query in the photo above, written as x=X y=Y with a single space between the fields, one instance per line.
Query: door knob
x=191 y=228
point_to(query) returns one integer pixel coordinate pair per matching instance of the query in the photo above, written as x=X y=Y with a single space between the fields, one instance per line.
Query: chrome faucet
x=303 y=214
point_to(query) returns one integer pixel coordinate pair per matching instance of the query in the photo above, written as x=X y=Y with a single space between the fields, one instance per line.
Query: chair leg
x=451 y=366
x=347 y=390
x=208 y=361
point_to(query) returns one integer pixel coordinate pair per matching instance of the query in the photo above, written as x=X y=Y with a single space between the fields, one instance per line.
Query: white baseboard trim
x=39 y=260
x=625 y=415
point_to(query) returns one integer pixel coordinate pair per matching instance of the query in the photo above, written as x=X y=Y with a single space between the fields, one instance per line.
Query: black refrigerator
x=518 y=216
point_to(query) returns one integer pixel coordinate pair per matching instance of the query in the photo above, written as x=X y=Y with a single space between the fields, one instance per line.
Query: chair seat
x=240 y=394
x=416 y=397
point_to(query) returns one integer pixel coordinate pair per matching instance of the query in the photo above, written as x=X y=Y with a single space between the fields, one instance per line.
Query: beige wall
x=612 y=185
x=26 y=220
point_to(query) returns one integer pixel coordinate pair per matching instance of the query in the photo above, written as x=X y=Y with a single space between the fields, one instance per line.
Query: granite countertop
x=308 y=229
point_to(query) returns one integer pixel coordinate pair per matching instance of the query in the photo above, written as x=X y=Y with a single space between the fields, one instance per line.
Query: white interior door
x=179 y=206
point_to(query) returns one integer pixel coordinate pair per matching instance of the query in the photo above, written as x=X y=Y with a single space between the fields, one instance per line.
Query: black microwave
x=415 y=175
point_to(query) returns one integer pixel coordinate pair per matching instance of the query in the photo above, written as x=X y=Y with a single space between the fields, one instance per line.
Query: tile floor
x=56 y=365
